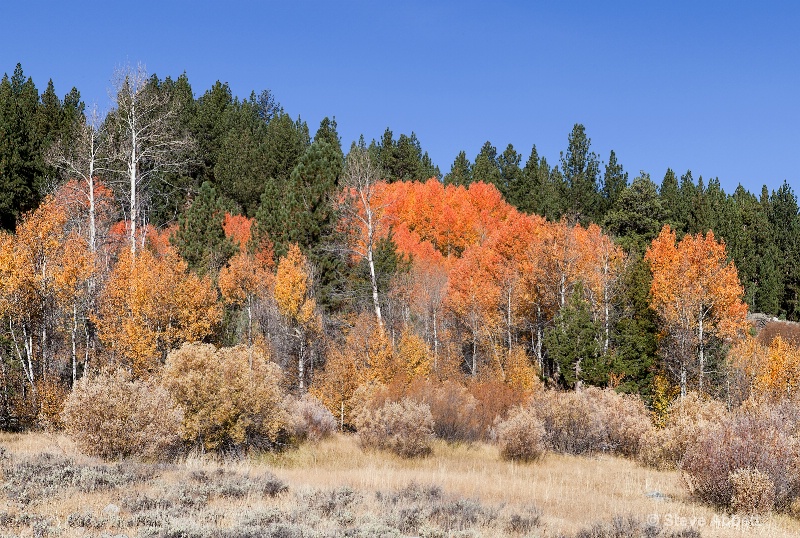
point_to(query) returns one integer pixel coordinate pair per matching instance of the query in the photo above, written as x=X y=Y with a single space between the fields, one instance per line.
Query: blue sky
x=707 y=86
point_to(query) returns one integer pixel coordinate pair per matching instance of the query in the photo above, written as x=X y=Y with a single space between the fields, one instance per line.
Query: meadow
x=335 y=488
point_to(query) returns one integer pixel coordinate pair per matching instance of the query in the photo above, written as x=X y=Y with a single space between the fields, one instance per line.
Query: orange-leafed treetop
x=696 y=292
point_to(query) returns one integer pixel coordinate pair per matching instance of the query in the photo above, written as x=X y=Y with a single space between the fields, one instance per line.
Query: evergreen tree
x=545 y=188
x=786 y=228
x=572 y=344
x=209 y=125
x=513 y=183
x=615 y=180
x=637 y=216
x=635 y=335
x=671 y=202
x=581 y=170
x=486 y=167
x=301 y=210
x=200 y=238
x=460 y=172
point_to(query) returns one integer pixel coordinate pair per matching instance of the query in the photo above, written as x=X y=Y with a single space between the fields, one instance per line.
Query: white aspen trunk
x=92 y=224
x=301 y=366
x=250 y=331
x=374 y=282
x=474 y=368
x=509 y=319
x=86 y=355
x=683 y=380
x=132 y=177
x=26 y=369
x=701 y=354
x=435 y=340
x=74 y=343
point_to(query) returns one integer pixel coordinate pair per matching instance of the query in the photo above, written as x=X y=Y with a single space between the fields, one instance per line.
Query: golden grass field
x=571 y=493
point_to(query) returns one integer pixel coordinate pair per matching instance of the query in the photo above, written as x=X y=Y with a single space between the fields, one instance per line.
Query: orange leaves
x=238 y=228
x=152 y=305
x=243 y=279
x=293 y=289
x=694 y=281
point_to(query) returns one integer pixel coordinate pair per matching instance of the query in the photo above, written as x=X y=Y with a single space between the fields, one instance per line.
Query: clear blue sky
x=707 y=86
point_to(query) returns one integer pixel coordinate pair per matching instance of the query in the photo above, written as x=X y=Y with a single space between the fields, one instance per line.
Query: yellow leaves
x=773 y=371
x=152 y=305
x=292 y=290
x=230 y=396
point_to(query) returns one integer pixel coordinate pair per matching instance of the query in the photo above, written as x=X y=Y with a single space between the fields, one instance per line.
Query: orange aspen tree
x=696 y=294
x=247 y=277
x=293 y=295
x=152 y=306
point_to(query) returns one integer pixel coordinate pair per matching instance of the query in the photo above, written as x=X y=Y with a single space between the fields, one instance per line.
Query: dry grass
x=571 y=493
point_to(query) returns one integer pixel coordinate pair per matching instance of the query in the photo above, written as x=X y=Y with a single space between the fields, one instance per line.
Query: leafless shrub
x=309 y=419
x=521 y=436
x=753 y=491
x=591 y=420
x=114 y=416
x=686 y=420
x=756 y=439
x=404 y=427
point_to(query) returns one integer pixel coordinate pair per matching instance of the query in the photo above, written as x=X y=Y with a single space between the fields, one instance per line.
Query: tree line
x=177 y=218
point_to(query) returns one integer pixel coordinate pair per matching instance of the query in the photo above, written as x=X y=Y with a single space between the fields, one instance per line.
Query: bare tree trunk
x=701 y=354
x=74 y=343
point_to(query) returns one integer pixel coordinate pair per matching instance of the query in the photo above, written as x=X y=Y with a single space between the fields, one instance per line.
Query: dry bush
x=404 y=427
x=686 y=419
x=231 y=397
x=114 y=416
x=309 y=419
x=452 y=406
x=51 y=395
x=758 y=439
x=521 y=436
x=495 y=400
x=592 y=420
x=787 y=330
x=753 y=492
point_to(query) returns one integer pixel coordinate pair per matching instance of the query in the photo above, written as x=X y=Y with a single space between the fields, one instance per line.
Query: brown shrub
x=686 y=419
x=231 y=397
x=309 y=419
x=753 y=491
x=51 y=395
x=787 y=330
x=592 y=420
x=494 y=400
x=114 y=416
x=452 y=408
x=521 y=436
x=756 y=439
x=404 y=427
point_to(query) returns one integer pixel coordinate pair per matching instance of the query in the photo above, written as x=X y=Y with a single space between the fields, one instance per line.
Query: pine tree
x=615 y=180
x=460 y=171
x=670 y=196
x=200 y=238
x=486 y=167
x=572 y=343
x=637 y=216
x=635 y=342
x=513 y=182
x=581 y=170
